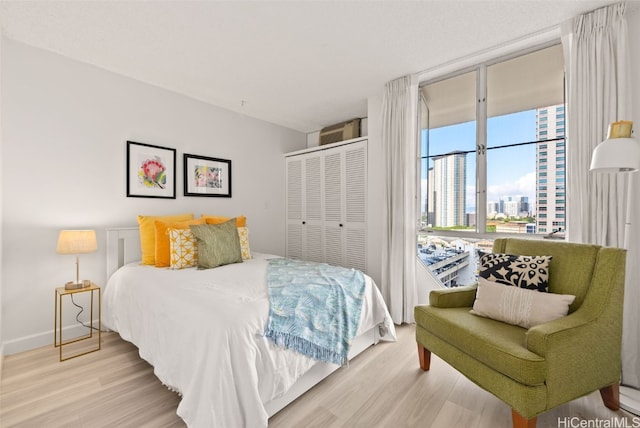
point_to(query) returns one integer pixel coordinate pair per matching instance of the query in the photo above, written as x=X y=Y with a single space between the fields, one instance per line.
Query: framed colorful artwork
x=204 y=176
x=151 y=171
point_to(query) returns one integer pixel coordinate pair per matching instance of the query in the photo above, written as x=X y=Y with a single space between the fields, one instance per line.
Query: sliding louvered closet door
x=326 y=204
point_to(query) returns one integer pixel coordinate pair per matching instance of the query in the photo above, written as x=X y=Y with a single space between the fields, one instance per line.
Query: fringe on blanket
x=306 y=347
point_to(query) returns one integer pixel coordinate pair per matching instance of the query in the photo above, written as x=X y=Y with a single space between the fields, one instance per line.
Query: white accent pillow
x=519 y=306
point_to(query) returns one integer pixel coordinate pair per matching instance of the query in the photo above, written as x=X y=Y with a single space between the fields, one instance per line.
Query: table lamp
x=76 y=242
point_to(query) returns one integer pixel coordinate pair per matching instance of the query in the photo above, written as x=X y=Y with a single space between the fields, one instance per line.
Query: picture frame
x=207 y=176
x=151 y=171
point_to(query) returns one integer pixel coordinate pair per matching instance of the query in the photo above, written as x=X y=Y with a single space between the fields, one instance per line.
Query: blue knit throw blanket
x=314 y=308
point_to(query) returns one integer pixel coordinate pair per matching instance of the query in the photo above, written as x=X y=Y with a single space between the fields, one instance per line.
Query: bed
x=202 y=331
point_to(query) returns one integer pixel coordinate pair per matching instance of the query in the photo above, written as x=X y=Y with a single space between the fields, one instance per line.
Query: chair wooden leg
x=519 y=421
x=425 y=357
x=611 y=396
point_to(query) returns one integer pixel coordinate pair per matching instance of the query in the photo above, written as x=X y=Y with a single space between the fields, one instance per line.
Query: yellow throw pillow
x=243 y=234
x=183 y=248
x=148 y=234
x=162 y=238
x=241 y=221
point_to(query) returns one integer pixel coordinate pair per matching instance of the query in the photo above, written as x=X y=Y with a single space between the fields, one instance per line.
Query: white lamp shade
x=76 y=242
x=616 y=155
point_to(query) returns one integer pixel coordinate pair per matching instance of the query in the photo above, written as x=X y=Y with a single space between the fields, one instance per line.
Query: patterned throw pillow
x=243 y=234
x=531 y=272
x=183 y=249
x=218 y=244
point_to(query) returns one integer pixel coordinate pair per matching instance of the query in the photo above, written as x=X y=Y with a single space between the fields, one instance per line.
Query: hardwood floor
x=383 y=387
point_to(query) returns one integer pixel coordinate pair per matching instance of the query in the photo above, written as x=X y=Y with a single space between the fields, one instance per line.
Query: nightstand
x=58 y=342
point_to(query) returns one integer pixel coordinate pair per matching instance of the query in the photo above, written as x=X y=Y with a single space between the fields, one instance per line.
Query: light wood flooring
x=383 y=387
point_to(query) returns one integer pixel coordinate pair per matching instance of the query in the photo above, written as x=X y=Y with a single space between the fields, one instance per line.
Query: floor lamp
x=620 y=153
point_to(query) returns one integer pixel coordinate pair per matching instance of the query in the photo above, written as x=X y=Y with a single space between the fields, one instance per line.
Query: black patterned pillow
x=531 y=272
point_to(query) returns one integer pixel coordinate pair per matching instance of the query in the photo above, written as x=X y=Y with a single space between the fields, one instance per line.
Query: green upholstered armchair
x=549 y=364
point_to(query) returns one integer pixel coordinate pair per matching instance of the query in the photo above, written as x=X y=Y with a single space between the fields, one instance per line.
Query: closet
x=326 y=204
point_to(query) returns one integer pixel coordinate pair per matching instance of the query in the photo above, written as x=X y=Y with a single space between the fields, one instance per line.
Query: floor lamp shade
x=619 y=152
x=616 y=155
x=76 y=242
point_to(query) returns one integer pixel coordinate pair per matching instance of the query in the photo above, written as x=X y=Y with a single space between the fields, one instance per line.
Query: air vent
x=340 y=132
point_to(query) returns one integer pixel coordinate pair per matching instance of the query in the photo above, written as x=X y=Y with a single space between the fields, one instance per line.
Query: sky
x=510 y=171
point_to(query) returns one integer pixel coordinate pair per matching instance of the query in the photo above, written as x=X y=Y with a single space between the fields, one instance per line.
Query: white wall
x=63 y=166
x=631 y=322
x=633 y=24
x=1 y=336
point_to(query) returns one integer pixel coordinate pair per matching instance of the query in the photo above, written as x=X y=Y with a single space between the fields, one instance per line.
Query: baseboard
x=39 y=340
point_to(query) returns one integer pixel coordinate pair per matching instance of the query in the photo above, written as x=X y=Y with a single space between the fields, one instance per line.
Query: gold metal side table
x=58 y=342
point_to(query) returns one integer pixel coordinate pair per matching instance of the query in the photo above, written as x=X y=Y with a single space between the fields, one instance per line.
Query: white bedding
x=202 y=332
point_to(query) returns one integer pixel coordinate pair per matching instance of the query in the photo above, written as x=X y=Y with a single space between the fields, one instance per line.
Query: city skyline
x=510 y=171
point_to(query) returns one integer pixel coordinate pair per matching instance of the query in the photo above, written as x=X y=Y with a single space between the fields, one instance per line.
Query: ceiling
x=300 y=64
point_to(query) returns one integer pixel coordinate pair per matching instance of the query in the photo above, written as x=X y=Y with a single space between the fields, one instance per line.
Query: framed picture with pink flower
x=205 y=176
x=151 y=171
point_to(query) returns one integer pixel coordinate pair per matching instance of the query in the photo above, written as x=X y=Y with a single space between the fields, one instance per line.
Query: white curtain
x=597 y=66
x=399 y=245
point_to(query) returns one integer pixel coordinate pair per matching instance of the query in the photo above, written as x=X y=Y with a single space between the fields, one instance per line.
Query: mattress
x=202 y=331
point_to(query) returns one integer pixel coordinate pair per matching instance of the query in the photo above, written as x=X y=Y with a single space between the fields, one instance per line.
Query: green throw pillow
x=218 y=244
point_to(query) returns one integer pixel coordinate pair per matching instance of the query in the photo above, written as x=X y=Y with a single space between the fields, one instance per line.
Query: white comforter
x=202 y=332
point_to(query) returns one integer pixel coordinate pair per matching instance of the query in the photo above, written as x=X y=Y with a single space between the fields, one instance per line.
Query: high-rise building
x=510 y=206
x=449 y=189
x=493 y=209
x=550 y=169
x=515 y=206
x=430 y=200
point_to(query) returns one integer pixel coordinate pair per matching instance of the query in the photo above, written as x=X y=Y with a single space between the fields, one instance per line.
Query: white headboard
x=123 y=246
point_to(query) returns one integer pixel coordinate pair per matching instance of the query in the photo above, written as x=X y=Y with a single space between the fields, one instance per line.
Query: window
x=484 y=164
